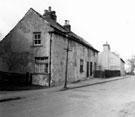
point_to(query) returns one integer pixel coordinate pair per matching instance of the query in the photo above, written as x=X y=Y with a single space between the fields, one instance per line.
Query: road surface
x=111 y=99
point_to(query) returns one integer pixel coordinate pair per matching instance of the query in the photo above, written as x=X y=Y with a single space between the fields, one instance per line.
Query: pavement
x=16 y=95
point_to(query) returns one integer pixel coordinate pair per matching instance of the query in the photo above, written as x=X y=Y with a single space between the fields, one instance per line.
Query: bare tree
x=131 y=63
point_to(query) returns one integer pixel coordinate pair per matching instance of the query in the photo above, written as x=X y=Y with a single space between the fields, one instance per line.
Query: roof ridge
x=59 y=27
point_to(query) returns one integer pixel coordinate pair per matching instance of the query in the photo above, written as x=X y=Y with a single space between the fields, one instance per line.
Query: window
x=41 y=65
x=41 y=58
x=94 y=53
x=37 y=38
x=112 y=61
x=81 y=65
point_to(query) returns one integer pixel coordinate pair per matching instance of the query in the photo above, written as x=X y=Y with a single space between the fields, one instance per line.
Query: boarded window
x=81 y=65
x=37 y=38
x=46 y=68
x=41 y=65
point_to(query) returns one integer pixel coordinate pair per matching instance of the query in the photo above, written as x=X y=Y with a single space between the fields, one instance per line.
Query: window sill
x=37 y=45
x=81 y=72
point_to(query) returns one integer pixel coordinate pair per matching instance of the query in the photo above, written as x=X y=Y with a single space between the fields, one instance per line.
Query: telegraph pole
x=66 y=70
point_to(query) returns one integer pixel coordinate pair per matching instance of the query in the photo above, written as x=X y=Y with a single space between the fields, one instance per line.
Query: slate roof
x=60 y=28
x=52 y=22
x=122 y=60
x=118 y=56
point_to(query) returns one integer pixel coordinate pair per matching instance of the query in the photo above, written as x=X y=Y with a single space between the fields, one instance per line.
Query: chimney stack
x=106 y=47
x=49 y=14
x=67 y=26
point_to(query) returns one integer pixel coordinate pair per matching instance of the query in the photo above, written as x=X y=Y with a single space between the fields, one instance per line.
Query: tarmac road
x=110 y=99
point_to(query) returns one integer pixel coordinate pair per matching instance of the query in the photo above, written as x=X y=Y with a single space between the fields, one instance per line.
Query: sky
x=97 y=21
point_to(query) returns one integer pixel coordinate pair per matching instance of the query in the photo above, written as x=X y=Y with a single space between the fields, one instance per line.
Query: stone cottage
x=108 y=60
x=38 y=45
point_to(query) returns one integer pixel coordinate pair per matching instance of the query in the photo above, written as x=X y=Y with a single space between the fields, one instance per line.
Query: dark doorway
x=90 y=68
x=87 y=74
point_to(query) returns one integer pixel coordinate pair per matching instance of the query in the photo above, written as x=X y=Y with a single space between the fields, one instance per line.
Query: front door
x=87 y=74
x=90 y=68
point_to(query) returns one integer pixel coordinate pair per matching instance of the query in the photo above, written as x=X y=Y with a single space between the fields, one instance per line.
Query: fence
x=106 y=73
x=15 y=78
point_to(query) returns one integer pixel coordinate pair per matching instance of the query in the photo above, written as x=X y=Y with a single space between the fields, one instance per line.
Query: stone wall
x=17 y=50
x=58 y=55
x=78 y=51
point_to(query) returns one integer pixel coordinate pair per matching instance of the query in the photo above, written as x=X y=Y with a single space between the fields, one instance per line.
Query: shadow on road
x=6 y=87
x=10 y=99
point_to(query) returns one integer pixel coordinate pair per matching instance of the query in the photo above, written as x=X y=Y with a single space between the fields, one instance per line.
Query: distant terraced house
x=38 y=45
x=110 y=61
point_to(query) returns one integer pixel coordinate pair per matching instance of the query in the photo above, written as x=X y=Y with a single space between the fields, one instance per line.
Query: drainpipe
x=49 y=83
x=108 y=62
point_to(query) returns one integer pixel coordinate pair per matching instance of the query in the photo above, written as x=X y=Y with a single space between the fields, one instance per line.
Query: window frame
x=41 y=65
x=36 y=38
x=81 y=65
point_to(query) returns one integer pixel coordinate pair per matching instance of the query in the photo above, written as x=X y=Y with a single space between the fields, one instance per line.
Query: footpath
x=16 y=95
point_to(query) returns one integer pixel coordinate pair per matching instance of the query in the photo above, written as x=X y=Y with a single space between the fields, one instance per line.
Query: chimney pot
x=66 y=22
x=45 y=11
x=67 y=25
x=49 y=9
x=53 y=13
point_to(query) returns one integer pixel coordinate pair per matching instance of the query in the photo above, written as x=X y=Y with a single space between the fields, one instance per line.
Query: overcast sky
x=97 y=21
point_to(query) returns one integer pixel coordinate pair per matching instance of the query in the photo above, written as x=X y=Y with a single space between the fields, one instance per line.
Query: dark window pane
x=39 y=41
x=81 y=65
x=38 y=36
x=36 y=41
x=35 y=36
